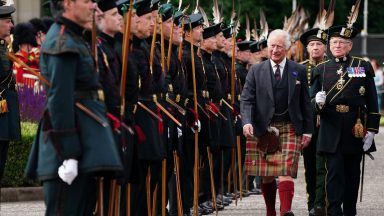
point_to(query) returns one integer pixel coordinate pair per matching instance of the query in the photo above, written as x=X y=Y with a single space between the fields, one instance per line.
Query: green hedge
x=18 y=153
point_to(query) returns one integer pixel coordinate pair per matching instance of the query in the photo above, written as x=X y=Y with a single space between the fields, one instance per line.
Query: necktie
x=277 y=73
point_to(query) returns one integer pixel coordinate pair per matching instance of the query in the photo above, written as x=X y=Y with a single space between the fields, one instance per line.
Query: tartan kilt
x=280 y=163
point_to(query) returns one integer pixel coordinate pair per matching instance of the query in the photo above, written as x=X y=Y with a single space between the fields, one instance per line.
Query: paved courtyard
x=372 y=205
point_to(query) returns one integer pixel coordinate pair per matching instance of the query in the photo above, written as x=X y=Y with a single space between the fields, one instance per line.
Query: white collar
x=282 y=64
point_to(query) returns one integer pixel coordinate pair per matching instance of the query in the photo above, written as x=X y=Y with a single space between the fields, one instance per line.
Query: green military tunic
x=9 y=121
x=314 y=164
x=66 y=131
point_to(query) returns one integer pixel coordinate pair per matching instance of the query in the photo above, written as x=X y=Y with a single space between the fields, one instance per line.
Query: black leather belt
x=92 y=94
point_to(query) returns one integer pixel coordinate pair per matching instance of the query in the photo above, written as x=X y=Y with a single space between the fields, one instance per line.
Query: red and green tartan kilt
x=281 y=163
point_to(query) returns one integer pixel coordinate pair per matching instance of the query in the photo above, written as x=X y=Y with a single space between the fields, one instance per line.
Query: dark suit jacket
x=257 y=102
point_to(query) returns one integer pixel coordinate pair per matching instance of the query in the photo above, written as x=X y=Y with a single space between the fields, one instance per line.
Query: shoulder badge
x=359 y=58
x=304 y=62
x=322 y=63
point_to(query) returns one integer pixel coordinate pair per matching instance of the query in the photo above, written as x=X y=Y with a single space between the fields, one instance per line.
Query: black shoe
x=219 y=200
x=227 y=199
x=319 y=211
x=219 y=207
x=245 y=193
x=254 y=191
x=311 y=212
x=206 y=207
x=289 y=213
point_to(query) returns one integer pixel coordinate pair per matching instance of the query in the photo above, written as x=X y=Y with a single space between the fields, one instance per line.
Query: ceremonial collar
x=342 y=59
x=110 y=40
x=74 y=27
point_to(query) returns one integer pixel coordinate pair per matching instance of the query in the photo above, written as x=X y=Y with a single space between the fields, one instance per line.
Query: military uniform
x=9 y=103
x=347 y=102
x=227 y=130
x=67 y=131
x=25 y=34
x=314 y=163
x=187 y=163
x=350 y=108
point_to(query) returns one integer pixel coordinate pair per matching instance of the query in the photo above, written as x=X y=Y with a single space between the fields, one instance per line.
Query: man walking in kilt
x=275 y=105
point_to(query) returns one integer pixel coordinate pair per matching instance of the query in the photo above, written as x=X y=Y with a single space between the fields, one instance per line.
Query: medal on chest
x=340 y=83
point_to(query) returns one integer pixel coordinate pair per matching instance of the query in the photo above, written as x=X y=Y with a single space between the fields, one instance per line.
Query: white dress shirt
x=281 y=65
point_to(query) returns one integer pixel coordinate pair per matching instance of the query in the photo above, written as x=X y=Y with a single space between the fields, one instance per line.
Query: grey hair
x=280 y=33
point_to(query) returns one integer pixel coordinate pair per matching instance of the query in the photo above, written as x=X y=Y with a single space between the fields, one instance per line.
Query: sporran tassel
x=3 y=106
x=358 y=129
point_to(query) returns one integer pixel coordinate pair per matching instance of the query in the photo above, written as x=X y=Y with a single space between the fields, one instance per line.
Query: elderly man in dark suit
x=275 y=100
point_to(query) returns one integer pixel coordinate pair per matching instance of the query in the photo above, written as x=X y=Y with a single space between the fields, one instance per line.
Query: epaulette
x=304 y=62
x=359 y=58
x=322 y=63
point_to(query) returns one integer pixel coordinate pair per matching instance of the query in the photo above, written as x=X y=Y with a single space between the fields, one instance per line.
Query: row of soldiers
x=148 y=111
x=145 y=143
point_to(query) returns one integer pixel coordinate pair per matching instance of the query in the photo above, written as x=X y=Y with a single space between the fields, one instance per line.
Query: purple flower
x=31 y=104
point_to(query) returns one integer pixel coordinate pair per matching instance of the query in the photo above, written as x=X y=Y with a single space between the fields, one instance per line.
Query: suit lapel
x=265 y=78
x=291 y=80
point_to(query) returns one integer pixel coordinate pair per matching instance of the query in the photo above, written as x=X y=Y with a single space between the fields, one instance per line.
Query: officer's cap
x=106 y=5
x=314 y=34
x=211 y=31
x=343 y=31
x=193 y=20
x=166 y=11
x=6 y=11
x=155 y=4
x=243 y=45
x=262 y=44
x=227 y=32
x=254 y=47
x=141 y=7
x=177 y=17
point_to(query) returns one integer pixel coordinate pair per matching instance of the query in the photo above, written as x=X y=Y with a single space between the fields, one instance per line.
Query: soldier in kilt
x=9 y=103
x=275 y=101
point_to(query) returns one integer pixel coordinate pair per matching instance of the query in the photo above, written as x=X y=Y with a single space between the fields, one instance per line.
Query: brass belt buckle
x=342 y=108
x=100 y=95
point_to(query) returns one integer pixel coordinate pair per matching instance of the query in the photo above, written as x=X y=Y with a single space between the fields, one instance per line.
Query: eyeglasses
x=341 y=42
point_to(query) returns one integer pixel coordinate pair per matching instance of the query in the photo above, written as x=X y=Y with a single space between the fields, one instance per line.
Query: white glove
x=68 y=170
x=198 y=125
x=368 y=140
x=320 y=98
x=179 y=132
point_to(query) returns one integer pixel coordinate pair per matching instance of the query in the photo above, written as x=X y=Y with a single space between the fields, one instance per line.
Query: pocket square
x=298 y=82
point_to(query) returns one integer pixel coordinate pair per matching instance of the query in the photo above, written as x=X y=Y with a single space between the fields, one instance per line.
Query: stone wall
x=26 y=10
